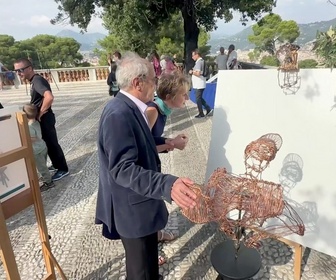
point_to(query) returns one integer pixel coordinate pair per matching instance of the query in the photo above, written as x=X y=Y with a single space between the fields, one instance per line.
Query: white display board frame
x=17 y=147
x=249 y=104
x=14 y=176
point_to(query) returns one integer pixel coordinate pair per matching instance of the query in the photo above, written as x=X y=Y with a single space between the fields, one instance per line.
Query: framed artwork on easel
x=19 y=188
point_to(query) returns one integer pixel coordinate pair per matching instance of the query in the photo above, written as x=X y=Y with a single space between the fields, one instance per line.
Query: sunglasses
x=21 y=70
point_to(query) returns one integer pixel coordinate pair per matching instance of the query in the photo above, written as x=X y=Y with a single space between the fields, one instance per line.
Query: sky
x=24 y=19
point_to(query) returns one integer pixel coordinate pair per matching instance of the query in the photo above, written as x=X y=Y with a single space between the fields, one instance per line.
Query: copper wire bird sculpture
x=247 y=208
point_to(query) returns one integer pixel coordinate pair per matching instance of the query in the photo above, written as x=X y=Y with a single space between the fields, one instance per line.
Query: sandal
x=166 y=236
x=162 y=260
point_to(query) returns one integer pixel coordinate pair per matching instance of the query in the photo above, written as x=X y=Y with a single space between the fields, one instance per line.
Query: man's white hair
x=130 y=67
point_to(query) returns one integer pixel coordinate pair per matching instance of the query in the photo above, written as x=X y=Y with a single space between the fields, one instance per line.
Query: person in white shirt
x=163 y=62
x=199 y=83
x=221 y=59
x=2 y=75
x=232 y=63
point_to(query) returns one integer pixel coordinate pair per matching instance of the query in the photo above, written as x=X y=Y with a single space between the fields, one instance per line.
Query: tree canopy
x=325 y=47
x=272 y=30
x=147 y=15
x=308 y=63
x=46 y=51
x=166 y=39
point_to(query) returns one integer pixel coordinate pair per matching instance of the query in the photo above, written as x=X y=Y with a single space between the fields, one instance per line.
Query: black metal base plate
x=246 y=265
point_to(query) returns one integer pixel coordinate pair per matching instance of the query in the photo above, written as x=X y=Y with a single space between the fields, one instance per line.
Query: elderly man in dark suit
x=131 y=194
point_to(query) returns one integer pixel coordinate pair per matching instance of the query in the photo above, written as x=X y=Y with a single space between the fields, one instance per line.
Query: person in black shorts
x=42 y=98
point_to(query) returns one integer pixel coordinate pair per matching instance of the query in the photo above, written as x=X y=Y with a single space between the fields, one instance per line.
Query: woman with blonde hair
x=172 y=92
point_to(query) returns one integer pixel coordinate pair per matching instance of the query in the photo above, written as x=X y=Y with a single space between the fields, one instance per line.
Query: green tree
x=254 y=55
x=203 y=39
x=167 y=46
x=108 y=44
x=49 y=51
x=141 y=17
x=172 y=30
x=45 y=51
x=167 y=39
x=7 y=50
x=325 y=47
x=308 y=63
x=271 y=30
x=270 y=60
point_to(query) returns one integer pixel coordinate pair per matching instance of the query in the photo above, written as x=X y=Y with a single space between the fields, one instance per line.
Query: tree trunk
x=191 y=32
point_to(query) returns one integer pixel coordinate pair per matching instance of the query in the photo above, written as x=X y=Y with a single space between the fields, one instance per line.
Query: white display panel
x=13 y=177
x=249 y=104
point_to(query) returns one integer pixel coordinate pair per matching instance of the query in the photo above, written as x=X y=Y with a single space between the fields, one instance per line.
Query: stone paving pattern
x=70 y=207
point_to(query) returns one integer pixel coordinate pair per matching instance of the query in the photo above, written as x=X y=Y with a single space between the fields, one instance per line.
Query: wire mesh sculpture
x=246 y=208
x=287 y=55
x=259 y=154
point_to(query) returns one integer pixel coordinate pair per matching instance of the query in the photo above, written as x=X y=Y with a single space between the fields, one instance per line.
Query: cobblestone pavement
x=70 y=206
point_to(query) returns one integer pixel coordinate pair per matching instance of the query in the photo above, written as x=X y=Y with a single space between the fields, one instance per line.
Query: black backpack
x=205 y=72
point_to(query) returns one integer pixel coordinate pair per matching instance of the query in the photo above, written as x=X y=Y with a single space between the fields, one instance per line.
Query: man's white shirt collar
x=142 y=106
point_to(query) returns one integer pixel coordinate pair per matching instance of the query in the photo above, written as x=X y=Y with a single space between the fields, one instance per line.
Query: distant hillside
x=88 y=41
x=307 y=34
x=308 y=31
x=239 y=40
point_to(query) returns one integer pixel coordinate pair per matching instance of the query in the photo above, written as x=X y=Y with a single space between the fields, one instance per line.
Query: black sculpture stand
x=245 y=266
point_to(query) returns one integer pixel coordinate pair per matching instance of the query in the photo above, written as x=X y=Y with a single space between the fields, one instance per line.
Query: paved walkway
x=70 y=206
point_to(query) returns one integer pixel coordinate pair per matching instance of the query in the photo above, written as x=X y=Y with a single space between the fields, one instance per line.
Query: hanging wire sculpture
x=247 y=208
x=288 y=72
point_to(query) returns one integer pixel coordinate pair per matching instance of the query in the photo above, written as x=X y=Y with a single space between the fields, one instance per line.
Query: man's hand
x=191 y=72
x=183 y=196
x=180 y=141
x=40 y=115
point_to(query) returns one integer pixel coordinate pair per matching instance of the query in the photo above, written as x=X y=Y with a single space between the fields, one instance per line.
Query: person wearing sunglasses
x=42 y=98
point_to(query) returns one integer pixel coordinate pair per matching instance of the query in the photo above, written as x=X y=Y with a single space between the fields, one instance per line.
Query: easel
x=22 y=200
x=297 y=256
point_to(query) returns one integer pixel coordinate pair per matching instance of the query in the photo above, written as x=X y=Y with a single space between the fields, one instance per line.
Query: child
x=39 y=146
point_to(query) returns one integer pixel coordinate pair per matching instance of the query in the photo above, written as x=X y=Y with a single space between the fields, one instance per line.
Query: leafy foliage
x=46 y=51
x=271 y=30
x=167 y=46
x=325 y=47
x=308 y=63
x=254 y=55
x=141 y=18
x=270 y=60
x=168 y=39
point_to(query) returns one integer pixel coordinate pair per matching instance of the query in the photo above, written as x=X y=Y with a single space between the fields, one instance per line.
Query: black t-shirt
x=38 y=86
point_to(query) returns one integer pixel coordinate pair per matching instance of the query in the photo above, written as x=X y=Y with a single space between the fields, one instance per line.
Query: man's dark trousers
x=49 y=136
x=201 y=102
x=141 y=257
